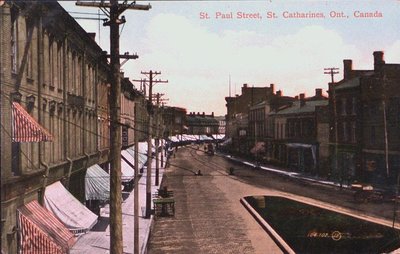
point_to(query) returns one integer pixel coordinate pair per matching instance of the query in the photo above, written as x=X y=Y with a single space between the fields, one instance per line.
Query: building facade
x=237 y=117
x=301 y=135
x=54 y=78
x=202 y=124
x=174 y=119
x=365 y=110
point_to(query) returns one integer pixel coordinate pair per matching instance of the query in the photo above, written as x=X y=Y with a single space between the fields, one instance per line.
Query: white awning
x=227 y=142
x=97 y=184
x=218 y=136
x=130 y=152
x=72 y=213
x=205 y=138
x=174 y=139
x=127 y=172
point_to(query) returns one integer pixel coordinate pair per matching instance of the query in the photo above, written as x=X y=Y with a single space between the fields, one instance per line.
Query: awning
x=174 y=139
x=97 y=184
x=301 y=145
x=205 y=138
x=41 y=232
x=127 y=172
x=218 y=136
x=228 y=141
x=130 y=153
x=25 y=128
x=75 y=216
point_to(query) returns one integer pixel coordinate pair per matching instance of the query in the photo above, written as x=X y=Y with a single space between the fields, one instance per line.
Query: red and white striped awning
x=41 y=232
x=25 y=128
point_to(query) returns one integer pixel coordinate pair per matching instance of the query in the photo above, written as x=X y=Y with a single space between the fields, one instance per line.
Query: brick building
x=300 y=132
x=54 y=80
x=202 y=124
x=261 y=129
x=367 y=105
x=174 y=119
x=237 y=117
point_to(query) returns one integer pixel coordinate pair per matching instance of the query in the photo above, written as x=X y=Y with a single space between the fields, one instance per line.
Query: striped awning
x=41 y=232
x=25 y=128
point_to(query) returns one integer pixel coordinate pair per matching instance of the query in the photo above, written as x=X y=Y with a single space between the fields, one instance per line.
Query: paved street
x=209 y=217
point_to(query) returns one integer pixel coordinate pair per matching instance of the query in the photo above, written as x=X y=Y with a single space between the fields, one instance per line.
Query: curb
x=271 y=232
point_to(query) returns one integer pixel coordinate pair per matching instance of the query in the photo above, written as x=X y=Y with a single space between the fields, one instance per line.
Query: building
x=237 y=116
x=174 y=119
x=260 y=127
x=202 y=124
x=221 y=124
x=54 y=80
x=365 y=109
x=301 y=135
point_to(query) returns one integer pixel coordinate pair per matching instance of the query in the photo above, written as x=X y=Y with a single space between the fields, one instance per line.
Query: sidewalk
x=286 y=173
x=97 y=241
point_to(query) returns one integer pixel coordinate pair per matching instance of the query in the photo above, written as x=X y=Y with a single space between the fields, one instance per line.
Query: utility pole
x=152 y=81
x=115 y=10
x=157 y=140
x=332 y=71
x=136 y=187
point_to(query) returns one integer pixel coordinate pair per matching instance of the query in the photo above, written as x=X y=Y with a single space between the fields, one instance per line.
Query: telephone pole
x=115 y=10
x=152 y=81
x=332 y=71
x=157 y=141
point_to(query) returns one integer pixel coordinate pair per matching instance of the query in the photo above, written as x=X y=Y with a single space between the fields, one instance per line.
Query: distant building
x=365 y=110
x=261 y=127
x=237 y=116
x=202 y=124
x=221 y=124
x=174 y=120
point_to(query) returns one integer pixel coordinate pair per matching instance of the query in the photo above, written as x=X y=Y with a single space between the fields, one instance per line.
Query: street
x=209 y=217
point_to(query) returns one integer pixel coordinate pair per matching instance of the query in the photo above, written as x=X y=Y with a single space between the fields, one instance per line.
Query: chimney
x=318 y=92
x=279 y=93
x=347 y=68
x=244 y=87
x=296 y=97
x=92 y=35
x=204 y=114
x=212 y=114
x=302 y=99
x=272 y=87
x=378 y=60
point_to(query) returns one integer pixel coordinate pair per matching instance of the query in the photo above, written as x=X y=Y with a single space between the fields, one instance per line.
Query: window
x=59 y=67
x=74 y=73
x=14 y=40
x=345 y=133
x=373 y=135
x=353 y=132
x=29 y=62
x=354 y=106
x=51 y=63
x=343 y=106
x=16 y=158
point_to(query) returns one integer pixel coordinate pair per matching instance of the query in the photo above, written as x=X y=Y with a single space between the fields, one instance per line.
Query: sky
x=208 y=59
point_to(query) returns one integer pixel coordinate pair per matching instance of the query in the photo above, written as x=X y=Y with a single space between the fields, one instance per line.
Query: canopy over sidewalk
x=75 y=216
x=97 y=184
x=41 y=232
